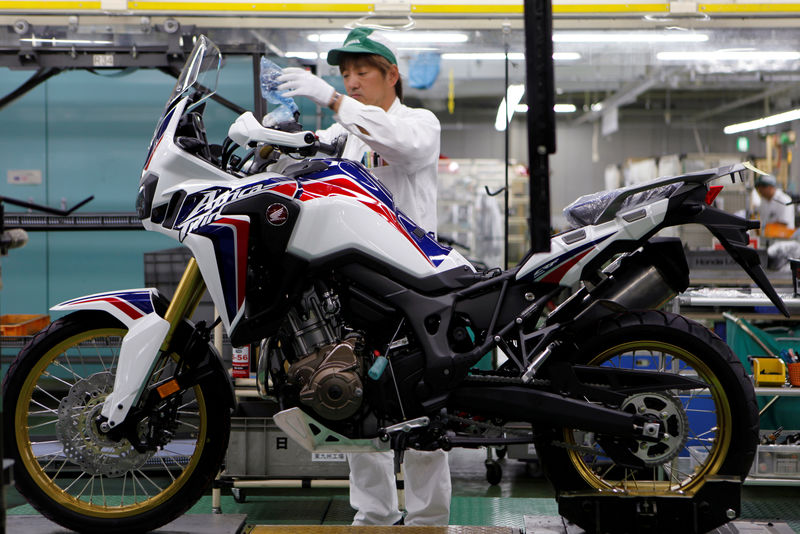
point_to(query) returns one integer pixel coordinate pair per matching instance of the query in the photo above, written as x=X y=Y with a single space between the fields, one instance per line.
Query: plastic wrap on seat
x=587 y=209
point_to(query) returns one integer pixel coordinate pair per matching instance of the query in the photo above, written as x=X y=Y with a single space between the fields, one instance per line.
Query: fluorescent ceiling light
x=398 y=37
x=628 y=37
x=558 y=108
x=303 y=55
x=499 y=56
x=307 y=55
x=484 y=56
x=566 y=56
x=514 y=95
x=729 y=55
x=55 y=42
x=772 y=120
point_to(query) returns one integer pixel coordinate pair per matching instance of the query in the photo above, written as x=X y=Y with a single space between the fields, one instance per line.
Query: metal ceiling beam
x=626 y=95
x=745 y=101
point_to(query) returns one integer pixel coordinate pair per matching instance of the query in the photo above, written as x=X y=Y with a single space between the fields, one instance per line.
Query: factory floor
x=474 y=501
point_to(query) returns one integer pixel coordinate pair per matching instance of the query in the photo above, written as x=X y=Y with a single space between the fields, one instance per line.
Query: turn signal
x=168 y=388
x=713 y=191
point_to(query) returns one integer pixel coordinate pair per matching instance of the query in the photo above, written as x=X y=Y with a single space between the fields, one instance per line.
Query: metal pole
x=540 y=88
x=259 y=104
x=508 y=127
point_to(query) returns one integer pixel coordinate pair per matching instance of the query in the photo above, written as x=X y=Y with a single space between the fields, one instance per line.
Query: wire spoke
x=58 y=472
x=66 y=490
x=138 y=482
x=40 y=388
x=85 y=486
x=54 y=456
x=68 y=367
x=166 y=468
x=42 y=424
x=182 y=422
x=45 y=408
x=144 y=475
x=103 y=492
x=56 y=378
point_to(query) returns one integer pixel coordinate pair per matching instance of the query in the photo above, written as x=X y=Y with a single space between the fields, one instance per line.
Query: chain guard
x=83 y=443
x=666 y=409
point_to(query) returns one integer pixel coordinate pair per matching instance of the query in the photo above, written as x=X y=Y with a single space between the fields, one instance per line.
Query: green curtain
x=785 y=411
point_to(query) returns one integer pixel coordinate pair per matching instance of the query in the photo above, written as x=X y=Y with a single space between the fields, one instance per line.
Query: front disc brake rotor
x=668 y=411
x=83 y=443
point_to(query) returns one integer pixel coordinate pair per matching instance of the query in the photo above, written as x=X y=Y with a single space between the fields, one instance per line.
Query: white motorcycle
x=118 y=414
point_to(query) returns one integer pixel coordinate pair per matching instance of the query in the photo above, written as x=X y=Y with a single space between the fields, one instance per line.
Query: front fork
x=148 y=338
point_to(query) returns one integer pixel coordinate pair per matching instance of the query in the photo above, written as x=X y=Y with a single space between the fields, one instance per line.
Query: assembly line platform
x=236 y=524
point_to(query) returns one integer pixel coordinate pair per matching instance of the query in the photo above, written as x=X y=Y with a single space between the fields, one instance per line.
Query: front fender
x=141 y=311
x=128 y=305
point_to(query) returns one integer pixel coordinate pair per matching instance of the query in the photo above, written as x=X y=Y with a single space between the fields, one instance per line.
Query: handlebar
x=325 y=148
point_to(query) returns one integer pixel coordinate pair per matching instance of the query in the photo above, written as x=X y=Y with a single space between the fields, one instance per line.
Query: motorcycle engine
x=327 y=368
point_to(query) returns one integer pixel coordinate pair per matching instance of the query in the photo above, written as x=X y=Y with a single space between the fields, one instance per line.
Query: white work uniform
x=401 y=148
x=774 y=210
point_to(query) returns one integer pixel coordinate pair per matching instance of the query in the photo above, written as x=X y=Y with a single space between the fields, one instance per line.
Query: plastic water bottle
x=269 y=85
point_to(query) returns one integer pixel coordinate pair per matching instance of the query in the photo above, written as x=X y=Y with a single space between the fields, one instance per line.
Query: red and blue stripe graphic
x=552 y=271
x=230 y=237
x=350 y=179
x=134 y=304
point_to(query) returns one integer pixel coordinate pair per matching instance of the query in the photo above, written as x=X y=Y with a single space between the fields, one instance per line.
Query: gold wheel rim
x=61 y=496
x=716 y=440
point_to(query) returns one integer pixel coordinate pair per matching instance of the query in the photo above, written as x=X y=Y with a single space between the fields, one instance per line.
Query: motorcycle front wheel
x=710 y=430
x=82 y=479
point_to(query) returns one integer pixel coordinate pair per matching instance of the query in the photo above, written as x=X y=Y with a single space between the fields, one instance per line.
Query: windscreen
x=201 y=71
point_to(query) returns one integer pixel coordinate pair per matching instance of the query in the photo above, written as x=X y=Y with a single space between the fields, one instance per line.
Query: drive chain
x=519 y=432
x=516 y=380
x=506 y=380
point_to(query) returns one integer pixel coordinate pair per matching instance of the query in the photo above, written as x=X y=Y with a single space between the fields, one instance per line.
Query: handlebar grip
x=327 y=149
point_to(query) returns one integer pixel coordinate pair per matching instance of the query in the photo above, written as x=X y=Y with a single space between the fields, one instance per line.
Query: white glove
x=300 y=82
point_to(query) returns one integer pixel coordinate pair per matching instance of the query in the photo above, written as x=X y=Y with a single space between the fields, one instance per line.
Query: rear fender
x=731 y=230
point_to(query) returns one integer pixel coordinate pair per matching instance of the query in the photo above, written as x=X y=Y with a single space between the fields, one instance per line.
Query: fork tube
x=187 y=297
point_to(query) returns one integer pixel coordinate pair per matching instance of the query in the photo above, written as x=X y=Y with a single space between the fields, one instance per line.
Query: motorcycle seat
x=601 y=207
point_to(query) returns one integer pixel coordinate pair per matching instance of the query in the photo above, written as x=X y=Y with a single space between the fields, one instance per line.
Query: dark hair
x=373 y=60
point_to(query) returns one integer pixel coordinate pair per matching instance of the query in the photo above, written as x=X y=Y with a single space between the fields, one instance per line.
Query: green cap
x=364 y=41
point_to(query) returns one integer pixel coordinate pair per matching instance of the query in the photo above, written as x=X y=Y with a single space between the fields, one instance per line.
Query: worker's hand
x=300 y=82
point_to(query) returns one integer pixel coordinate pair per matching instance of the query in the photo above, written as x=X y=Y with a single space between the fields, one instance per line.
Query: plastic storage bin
x=768 y=372
x=777 y=461
x=22 y=324
x=258 y=448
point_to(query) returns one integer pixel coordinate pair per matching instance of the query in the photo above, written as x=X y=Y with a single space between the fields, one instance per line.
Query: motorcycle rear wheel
x=81 y=479
x=719 y=422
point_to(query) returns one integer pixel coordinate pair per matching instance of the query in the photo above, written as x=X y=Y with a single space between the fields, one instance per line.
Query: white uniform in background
x=402 y=150
x=774 y=210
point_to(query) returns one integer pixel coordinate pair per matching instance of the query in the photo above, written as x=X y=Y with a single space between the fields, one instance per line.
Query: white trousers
x=373 y=490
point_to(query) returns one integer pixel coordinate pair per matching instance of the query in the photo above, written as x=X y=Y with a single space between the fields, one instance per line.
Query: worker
x=773 y=206
x=400 y=145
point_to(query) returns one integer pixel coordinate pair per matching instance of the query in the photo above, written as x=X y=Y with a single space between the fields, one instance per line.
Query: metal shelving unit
x=35 y=222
